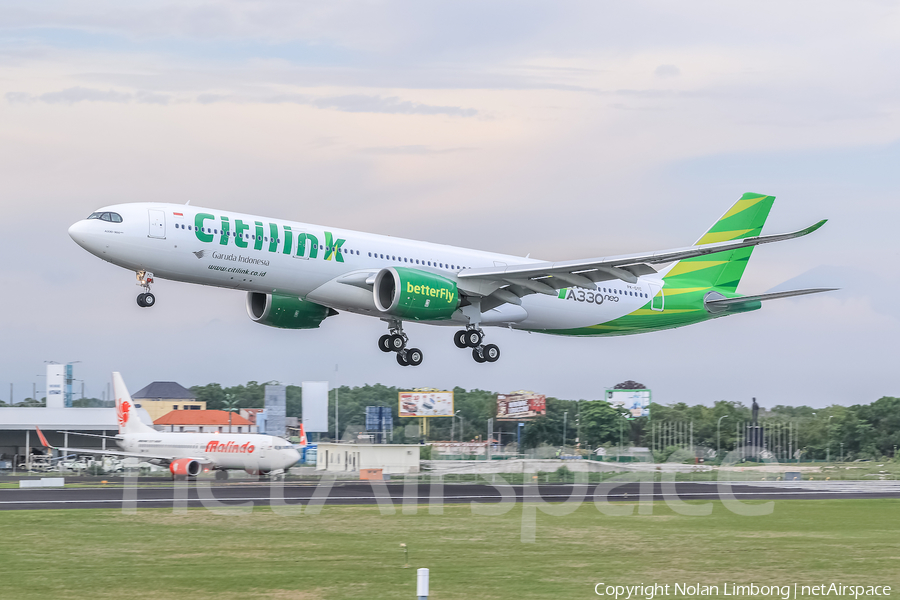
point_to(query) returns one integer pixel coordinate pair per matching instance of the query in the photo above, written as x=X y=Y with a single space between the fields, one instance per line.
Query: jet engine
x=414 y=294
x=286 y=312
x=185 y=467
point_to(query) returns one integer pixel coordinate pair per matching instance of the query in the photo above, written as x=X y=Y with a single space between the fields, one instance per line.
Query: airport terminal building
x=17 y=429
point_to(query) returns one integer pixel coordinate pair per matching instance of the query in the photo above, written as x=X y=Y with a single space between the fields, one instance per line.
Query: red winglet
x=43 y=439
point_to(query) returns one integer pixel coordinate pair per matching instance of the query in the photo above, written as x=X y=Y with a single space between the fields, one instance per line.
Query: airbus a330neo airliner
x=297 y=274
x=189 y=454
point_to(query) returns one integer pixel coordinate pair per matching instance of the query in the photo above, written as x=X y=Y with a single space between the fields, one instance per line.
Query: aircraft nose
x=293 y=457
x=78 y=232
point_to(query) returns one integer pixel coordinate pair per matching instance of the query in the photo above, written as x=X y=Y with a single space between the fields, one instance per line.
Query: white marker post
x=422 y=584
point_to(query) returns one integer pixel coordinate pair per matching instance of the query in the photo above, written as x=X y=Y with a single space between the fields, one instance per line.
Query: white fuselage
x=252 y=452
x=260 y=254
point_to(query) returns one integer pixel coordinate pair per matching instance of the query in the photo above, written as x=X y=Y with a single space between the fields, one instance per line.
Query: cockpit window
x=107 y=216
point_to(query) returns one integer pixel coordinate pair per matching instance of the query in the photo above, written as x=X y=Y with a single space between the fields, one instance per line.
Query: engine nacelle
x=185 y=467
x=286 y=312
x=414 y=294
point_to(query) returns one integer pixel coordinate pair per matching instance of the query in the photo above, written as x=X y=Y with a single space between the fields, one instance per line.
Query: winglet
x=303 y=441
x=812 y=228
x=43 y=439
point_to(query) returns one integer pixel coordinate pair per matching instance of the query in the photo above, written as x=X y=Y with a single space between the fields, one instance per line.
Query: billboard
x=275 y=398
x=426 y=404
x=379 y=418
x=56 y=385
x=520 y=405
x=631 y=403
x=315 y=406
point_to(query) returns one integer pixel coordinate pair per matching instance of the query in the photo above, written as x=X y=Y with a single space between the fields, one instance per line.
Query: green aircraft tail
x=723 y=270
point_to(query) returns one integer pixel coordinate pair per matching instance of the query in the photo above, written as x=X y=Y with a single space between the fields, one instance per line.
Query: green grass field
x=354 y=552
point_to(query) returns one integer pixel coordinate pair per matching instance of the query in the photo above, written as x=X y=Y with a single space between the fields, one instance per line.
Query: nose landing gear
x=395 y=341
x=145 y=299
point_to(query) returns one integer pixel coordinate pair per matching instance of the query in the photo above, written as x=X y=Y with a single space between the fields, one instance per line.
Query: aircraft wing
x=103 y=452
x=507 y=283
x=717 y=305
x=118 y=453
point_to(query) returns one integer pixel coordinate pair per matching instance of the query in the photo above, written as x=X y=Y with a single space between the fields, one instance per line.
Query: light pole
x=456 y=416
x=718 y=442
x=828 y=428
x=565 y=415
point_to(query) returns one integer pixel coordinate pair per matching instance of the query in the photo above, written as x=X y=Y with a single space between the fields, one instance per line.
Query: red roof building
x=250 y=413
x=203 y=421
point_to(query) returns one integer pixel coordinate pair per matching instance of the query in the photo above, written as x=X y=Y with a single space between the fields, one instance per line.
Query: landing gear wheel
x=473 y=338
x=140 y=300
x=149 y=299
x=384 y=343
x=477 y=355
x=459 y=338
x=397 y=342
x=413 y=357
x=491 y=353
x=221 y=475
x=401 y=359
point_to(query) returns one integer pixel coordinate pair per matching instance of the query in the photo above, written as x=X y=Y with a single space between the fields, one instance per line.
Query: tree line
x=858 y=431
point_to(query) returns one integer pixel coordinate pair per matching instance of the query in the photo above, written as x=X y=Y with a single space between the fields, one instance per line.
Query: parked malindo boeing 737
x=188 y=454
x=297 y=274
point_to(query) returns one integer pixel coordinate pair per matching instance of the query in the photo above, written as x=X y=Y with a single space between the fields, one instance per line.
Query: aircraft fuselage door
x=157 y=224
x=657 y=297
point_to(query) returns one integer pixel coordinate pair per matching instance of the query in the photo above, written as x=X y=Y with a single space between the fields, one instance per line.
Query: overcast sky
x=561 y=129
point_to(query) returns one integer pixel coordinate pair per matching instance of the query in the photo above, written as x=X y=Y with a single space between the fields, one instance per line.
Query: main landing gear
x=472 y=338
x=395 y=341
x=145 y=299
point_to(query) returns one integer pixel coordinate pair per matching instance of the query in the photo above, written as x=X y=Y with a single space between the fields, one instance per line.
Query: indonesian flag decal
x=178 y=214
x=302 y=435
x=122 y=412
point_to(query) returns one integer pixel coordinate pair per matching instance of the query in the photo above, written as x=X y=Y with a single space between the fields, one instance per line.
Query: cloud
x=414 y=150
x=77 y=94
x=152 y=98
x=393 y=105
x=80 y=94
x=355 y=103
x=667 y=71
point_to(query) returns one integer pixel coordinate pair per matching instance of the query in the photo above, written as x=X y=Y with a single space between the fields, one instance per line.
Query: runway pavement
x=204 y=493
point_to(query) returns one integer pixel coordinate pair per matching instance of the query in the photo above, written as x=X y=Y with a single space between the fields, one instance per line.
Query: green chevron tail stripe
x=723 y=270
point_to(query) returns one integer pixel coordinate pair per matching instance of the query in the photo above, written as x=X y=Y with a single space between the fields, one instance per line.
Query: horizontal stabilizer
x=719 y=305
